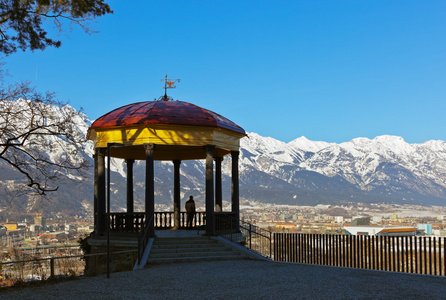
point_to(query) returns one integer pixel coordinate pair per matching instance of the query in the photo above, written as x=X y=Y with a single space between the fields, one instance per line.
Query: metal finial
x=168 y=84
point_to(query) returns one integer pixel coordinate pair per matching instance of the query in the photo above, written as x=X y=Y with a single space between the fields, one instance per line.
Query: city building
x=11 y=226
x=381 y=230
x=361 y=221
x=339 y=219
x=285 y=225
x=2 y=230
x=426 y=227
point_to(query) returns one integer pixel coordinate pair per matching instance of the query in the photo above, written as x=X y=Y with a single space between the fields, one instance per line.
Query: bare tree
x=39 y=135
x=40 y=138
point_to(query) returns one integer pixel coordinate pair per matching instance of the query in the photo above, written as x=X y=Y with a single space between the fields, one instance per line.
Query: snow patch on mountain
x=267 y=154
x=306 y=145
x=358 y=160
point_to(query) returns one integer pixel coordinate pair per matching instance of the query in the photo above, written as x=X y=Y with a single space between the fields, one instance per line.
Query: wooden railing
x=133 y=222
x=409 y=254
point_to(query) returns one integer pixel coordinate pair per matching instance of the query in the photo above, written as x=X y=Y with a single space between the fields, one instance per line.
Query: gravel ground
x=243 y=279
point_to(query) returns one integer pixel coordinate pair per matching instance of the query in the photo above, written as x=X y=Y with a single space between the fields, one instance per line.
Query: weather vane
x=168 y=84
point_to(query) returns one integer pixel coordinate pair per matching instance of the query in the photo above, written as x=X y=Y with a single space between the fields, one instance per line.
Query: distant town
x=33 y=230
x=355 y=219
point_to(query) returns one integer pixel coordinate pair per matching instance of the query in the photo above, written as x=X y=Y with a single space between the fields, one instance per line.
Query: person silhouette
x=190 y=211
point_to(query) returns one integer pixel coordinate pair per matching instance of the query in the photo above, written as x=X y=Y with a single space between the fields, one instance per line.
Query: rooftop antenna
x=168 y=84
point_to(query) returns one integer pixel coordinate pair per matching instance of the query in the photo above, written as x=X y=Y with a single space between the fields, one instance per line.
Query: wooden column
x=235 y=197
x=218 y=188
x=150 y=187
x=130 y=206
x=210 y=222
x=95 y=193
x=176 y=194
x=99 y=191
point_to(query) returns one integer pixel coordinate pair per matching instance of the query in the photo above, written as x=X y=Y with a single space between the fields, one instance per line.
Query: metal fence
x=410 y=254
x=246 y=234
x=12 y=272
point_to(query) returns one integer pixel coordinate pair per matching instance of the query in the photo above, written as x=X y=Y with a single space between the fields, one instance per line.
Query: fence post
x=346 y=254
x=270 y=254
x=425 y=256
x=444 y=256
x=361 y=252
x=393 y=254
x=52 y=267
x=439 y=256
x=399 y=250
x=325 y=250
x=415 y=255
x=310 y=248
x=435 y=255
x=407 y=254
x=96 y=264
x=133 y=259
x=250 y=236
x=275 y=245
x=430 y=255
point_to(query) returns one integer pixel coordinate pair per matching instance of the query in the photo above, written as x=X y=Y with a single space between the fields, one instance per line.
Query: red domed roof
x=164 y=112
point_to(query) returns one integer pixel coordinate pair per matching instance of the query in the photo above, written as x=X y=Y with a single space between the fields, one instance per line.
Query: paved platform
x=179 y=233
x=133 y=236
x=244 y=279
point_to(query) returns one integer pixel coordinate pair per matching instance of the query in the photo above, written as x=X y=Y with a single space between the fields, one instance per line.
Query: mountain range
x=385 y=169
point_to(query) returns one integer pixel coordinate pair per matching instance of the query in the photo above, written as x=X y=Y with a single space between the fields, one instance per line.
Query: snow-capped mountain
x=386 y=167
x=383 y=169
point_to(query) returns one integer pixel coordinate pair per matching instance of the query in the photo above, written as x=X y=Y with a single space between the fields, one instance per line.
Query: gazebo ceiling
x=179 y=130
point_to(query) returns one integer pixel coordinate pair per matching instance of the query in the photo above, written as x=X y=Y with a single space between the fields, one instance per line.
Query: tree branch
x=21 y=21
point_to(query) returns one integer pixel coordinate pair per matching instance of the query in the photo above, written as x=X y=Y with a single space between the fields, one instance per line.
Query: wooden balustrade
x=132 y=222
x=126 y=222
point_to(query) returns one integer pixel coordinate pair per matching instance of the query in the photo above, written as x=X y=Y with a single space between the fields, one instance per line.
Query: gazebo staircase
x=189 y=249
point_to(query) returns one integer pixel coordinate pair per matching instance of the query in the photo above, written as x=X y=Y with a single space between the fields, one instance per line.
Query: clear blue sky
x=329 y=70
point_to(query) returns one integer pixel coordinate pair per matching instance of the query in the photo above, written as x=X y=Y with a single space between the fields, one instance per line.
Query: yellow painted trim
x=174 y=135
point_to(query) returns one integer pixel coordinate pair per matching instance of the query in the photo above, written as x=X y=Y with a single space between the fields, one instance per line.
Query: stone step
x=170 y=250
x=184 y=246
x=228 y=253
x=188 y=238
x=183 y=243
x=194 y=259
x=178 y=241
x=155 y=250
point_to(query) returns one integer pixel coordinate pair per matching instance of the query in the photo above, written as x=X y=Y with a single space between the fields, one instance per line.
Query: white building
x=381 y=230
x=376 y=219
x=339 y=219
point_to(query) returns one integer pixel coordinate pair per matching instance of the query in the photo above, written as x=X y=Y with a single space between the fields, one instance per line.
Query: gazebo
x=164 y=130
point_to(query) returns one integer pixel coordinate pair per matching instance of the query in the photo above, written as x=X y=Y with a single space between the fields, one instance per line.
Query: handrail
x=143 y=238
x=62 y=257
x=16 y=273
x=252 y=237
